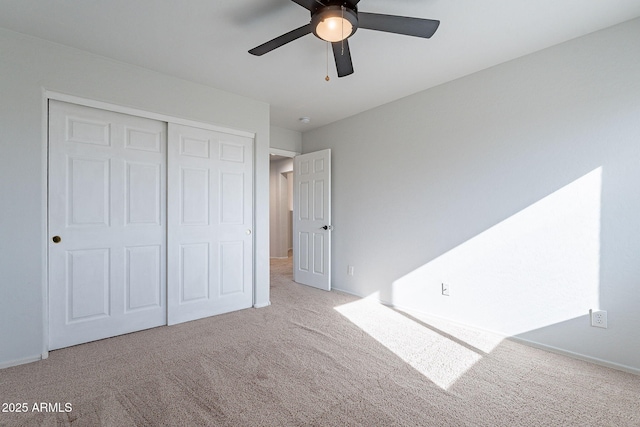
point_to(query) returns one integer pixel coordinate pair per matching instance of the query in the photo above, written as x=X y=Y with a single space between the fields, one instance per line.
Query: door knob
x=56 y=239
x=248 y=231
x=327 y=227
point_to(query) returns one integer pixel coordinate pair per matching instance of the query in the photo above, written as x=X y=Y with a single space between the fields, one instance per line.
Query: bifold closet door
x=210 y=223
x=107 y=224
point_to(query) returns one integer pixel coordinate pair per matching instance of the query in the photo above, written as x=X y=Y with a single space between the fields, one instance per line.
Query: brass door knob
x=56 y=239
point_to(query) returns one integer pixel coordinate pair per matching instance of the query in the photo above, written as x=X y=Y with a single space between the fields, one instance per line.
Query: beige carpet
x=304 y=361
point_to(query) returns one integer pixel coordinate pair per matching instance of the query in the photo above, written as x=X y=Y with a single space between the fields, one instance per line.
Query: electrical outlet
x=445 y=289
x=350 y=270
x=598 y=318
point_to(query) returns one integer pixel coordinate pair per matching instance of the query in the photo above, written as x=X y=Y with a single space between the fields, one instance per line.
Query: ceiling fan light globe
x=334 y=29
x=334 y=23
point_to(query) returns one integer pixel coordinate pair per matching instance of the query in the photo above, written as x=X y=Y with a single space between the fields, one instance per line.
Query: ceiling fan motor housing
x=335 y=10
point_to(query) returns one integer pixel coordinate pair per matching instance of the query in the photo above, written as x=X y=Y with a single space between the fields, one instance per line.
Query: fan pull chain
x=327 y=78
x=342 y=30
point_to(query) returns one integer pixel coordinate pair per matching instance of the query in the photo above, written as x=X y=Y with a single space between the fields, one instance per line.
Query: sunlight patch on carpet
x=436 y=356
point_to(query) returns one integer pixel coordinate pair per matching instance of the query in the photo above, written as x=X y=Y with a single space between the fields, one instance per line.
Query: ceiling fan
x=336 y=20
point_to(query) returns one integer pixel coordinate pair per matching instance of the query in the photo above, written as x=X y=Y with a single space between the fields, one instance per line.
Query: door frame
x=283 y=153
x=87 y=102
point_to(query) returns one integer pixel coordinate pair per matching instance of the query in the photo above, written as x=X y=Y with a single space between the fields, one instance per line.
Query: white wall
x=279 y=208
x=286 y=139
x=28 y=67
x=517 y=186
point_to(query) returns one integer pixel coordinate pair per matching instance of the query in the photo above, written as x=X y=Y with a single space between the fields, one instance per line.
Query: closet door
x=107 y=224
x=210 y=217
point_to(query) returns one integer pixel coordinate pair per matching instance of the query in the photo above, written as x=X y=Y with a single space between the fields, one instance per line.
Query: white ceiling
x=207 y=42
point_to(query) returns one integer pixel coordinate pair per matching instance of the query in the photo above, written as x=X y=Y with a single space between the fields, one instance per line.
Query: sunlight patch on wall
x=437 y=357
x=536 y=268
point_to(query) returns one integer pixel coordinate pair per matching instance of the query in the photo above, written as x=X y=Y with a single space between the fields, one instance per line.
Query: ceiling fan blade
x=311 y=5
x=343 y=58
x=416 y=27
x=281 y=41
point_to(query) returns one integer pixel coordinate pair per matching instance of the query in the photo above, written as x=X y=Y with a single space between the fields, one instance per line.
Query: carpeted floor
x=311 y=359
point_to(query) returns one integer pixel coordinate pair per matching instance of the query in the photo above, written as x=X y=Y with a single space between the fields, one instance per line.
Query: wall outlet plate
x=445 y=289
x=598 y=318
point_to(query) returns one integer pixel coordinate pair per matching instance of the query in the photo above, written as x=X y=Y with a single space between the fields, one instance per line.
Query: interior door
x=312 y=219
x=210 y=240
x=107 y=224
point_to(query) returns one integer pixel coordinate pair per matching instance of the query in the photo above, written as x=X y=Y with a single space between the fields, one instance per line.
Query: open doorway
x=281 y=205
x=300 y=215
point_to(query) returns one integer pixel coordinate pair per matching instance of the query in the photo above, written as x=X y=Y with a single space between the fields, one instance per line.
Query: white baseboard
x=538 y=345
x=262 y=305
x=349 y=293
x=578 y=356
x=523 y=341
x=17 y=362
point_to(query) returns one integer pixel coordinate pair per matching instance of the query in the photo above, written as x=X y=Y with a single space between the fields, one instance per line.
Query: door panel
x=143 y=186
x=194 y=272
x=231 y=271
x=311 y=214
x=302 y=252
x=194 y=196
x=89 y=190
x=142 y=279
x=88 y=284
x=231 y=208
x=210 y=239
x=318 y=252
x=107 y=202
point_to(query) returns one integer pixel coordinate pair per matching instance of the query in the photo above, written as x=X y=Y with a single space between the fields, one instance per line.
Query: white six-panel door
x=210 y=216
x=107 y=213
x=312 y=219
